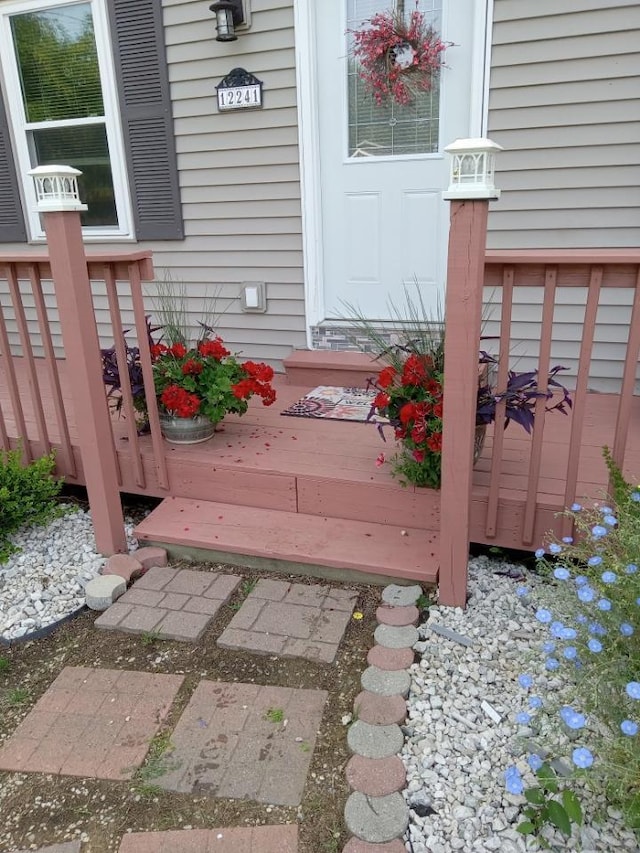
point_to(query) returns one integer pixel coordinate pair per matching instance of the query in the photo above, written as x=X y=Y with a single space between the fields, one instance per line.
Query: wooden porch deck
x=309 y=491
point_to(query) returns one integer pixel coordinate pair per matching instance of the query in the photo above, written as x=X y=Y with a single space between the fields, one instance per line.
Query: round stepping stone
x=386 y=682
x=376 y=819
x=124 y=566
x=385 y=658
x=401 y=596
x=151 y=556
x=356 y=845
x=374 y=741
x=101 y=592
x=379 y=710
x=397 y=616
x=396 y=638
x=376 y=777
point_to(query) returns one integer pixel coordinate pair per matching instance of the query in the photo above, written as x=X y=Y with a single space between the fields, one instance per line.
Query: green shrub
x=27 y=495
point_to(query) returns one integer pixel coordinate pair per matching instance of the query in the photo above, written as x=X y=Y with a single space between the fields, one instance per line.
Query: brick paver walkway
x=91 y=722
x=260 y=839
x=245 y=741
x=175 y=604
x=291 y=620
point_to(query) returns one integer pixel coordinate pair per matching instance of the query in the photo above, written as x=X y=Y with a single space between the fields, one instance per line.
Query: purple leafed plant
x=520 y=396
x=111 y=373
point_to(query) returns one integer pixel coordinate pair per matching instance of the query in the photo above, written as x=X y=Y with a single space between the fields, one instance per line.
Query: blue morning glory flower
x=525 y=680
x=513 y=780
x=570 y=653
x=582 y=757
x=535 y=702
x=635 y=496
x=543 y=615
x=586 y=594
x=523 y=719
x=598 y=531
x=604 y=604
x=638 y=601
x=535 y=762
x=594 y=646
x=597 y=629
x=609 y=577
x=539 y=554
x=552 y=664
x=572 y=718
x=554 y=548
x=606 y=510
x=594 y=561
x=581 y=580
x=581 y=618
x=556 y=629
x=633 y=689
x=568 y=634
x=521 y=591
x=629 y=728
x=626 y=629
x=576 y=507
x=567 y=540
x=549 y=647
x=611 y=520
x=631 y=569
x=562 y=574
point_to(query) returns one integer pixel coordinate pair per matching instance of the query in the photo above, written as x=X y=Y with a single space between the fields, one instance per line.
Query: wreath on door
x=397 y=56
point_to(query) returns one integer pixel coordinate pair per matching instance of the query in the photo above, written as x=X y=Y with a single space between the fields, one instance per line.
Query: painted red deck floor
x=325 y=470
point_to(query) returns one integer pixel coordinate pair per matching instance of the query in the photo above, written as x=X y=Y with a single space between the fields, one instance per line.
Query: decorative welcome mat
x=334 y=403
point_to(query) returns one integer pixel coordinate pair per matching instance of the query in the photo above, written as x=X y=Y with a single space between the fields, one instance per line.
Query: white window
x=58 y=71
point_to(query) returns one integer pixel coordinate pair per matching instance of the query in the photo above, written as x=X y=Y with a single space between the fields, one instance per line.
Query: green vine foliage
x=28 y=495
x=547 y=805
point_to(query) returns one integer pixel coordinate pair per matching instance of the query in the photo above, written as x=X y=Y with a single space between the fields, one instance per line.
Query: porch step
x=330 y=367
x=228 y=531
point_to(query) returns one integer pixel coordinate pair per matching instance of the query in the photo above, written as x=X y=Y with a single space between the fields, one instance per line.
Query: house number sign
x=239 y=90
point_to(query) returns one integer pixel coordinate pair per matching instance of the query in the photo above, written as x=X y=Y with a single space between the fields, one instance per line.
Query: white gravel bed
x=456 y=754
x=45 y=580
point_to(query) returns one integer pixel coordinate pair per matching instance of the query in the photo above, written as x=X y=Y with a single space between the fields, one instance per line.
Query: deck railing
x=592 y=272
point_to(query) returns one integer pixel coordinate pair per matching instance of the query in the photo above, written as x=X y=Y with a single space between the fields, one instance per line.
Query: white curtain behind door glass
x=390 y=129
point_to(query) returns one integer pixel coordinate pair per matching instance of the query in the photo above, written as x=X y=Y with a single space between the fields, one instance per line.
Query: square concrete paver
x=259 y=839
x=175 y=604
x=232 y=741
x=91 y=722
x=291 y=620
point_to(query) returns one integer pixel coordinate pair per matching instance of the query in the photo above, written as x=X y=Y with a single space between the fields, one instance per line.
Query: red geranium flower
x=386 y=376
x=434 y=442
x=178 y=350
x=214 y=348
x=192 y=367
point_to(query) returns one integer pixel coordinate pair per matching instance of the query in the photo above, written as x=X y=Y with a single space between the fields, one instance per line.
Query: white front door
x=382 y=168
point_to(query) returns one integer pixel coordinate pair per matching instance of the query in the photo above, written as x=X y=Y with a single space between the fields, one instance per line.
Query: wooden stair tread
x=292 y=537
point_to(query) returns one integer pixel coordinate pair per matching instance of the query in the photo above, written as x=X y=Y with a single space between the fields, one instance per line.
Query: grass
x=274 y=715
x=246 y=587
x=149 y=638
x=156 y=765
x=5 y=665
x=17 y=696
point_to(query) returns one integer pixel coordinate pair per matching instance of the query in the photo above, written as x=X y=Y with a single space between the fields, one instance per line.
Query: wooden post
x=60 y=207
x=463 y=317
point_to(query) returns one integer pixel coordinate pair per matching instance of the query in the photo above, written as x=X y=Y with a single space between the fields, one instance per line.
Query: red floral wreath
x=397 y=57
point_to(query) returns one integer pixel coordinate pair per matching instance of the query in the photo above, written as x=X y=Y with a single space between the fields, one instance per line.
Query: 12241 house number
x=240 y=97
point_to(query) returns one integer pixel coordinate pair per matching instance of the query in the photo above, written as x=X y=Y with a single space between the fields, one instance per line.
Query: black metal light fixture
x=229 y=15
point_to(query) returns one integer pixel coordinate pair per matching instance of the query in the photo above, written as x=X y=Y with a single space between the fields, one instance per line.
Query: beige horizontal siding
x=565 y=104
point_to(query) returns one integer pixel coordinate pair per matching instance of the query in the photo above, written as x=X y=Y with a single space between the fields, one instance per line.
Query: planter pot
x=186 y=430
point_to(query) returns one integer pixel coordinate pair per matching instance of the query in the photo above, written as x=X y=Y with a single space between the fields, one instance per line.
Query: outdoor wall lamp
x=230 y=14
x=472 y=169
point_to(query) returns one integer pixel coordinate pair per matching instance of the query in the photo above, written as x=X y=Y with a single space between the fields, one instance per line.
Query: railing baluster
x=147 y=374
x=628 y=380
x=580 y=394
x=52 y=369
x=29 y=362
x=544 y=363
x=508 y=278
x=14 y=391
x=123 y=371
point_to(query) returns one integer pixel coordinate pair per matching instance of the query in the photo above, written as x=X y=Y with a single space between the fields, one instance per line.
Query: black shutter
x=145 y=105
x=12 y=226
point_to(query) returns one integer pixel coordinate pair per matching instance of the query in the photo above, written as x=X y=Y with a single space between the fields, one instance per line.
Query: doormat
x=334 y=403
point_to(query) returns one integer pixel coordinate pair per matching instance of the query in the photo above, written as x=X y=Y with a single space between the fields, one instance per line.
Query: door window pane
x=84 y=147
x=58 y=63
x=390 y=129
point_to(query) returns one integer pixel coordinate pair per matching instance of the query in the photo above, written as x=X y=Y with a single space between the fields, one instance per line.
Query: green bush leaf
x=547 y=778
x=572 y=806
x=535 y=796
x=526 y=828
x=559 y=817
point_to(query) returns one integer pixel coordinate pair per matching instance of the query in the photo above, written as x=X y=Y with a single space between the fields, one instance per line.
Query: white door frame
x=309 y=137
